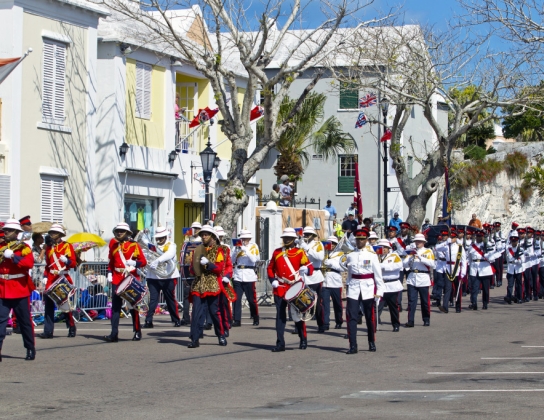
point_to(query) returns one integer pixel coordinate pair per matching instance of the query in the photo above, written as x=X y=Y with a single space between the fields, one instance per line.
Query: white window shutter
x=48 y=91
x=52 y=199
x=60 y=77
x=5 y=197
x=147 y=92
x=54 y=82
x=143 y=90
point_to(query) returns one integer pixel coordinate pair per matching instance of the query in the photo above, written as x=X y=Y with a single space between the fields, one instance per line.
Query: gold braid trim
x=207 y=282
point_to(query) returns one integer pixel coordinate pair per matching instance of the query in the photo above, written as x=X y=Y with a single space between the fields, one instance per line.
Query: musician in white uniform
x=514 y=272
x=418 y=267
x=332 y=286
x=526 y=242
x=194 y=237
x=532 y=293
x=391 y=264
x=316 y=254
x=365 y=285
x=481 y=257
x=156 y=282
x=244 y=259
x=455 y=263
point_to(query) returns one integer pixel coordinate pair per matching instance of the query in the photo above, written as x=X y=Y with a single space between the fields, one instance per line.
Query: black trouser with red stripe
x=116 y=305
x=49 y=316
x=336 y=294
x=168 y=289
x=247 y=288
x=534 y=281
x=450 y=291
x=352 y=309
x=318 y=307
x=281 y=320
x=541 y=277
x=527 y=281
x=200 y=306
x=497 y=277
x=424 y=297
x=475 y=282
x=391 y=299
x=21 y=308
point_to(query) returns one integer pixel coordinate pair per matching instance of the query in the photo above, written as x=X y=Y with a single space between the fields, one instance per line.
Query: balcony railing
x=188 y=140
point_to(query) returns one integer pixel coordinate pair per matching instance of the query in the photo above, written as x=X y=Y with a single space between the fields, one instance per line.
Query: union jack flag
x=361 y=120
x=368 y=100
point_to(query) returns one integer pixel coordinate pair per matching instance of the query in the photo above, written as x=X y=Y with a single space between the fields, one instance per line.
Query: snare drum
x=301 y=297
x=131 y=290
x=60 y=291
x=186 y=260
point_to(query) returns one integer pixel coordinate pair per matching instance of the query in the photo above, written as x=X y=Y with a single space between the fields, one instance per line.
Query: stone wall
x=500 y=199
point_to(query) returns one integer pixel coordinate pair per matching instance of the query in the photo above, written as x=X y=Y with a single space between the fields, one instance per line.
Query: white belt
x=58 y=272
x=121 y=270
x=11 y=276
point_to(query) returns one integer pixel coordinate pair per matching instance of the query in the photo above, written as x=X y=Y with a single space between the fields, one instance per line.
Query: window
x=317 y=157
x=413 y=111
x=349 y=95
x=52 y=199
x=54 y=75
x=346 y=173
x=139 y=214
x=143 y=90
x=410 y=167
x=5 y=197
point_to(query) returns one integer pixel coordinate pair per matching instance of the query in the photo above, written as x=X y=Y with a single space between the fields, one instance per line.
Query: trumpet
x=14 y=246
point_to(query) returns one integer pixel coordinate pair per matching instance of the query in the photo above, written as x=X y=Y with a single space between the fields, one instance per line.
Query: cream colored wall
x=140 y=131
x=50 y=148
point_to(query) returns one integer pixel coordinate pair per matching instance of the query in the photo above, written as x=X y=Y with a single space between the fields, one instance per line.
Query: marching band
x=304 y=273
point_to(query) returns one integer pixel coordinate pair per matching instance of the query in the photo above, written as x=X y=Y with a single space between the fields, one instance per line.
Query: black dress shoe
x=321 y=330
x=30 y=354
x=222 y=341
x=236 y=324
x=535 y=298
x=148 y=325
x=295 y=331
x=193 y=345
x=396 y=328
x=352 y=350
x=45 y=335
x=464 y=294
x=360 y=320
x=72 y=332
x=409 y=325
x=346 y=336
x=256 y=321
x=371 y=346
x=278 y=349
x=208 y=327
x=458 y=311
x=183 y=322
x=303 y=344
x=491 y=287
x=520 y=301
x=137 y=336
x=176 y=324
x=17 y=330
x=484 y=307
x=201 y=335
x=400 y=308
x=426 y=323
x=111 y=338
x=226 y=333
x=338 y=326
x=442 y=309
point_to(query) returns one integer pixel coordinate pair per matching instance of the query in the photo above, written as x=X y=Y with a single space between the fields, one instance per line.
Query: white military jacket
x=449 y=251
x=440 y=257
x=243 y=262
x=169 y=254
x=478 y=263
x=316 y=254
x=515 y=265
x=364 y=263
x=418 y=267
x=333 y=274
x=391 y=266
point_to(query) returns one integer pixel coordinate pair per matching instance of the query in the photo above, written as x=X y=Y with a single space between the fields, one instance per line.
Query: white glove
x=275 y=284
x=377 y=299
x=298 y=241
x=244 y=248
x=131 y=263
x=328 y=263
x=110 y=277
x=204 y=260
x=44 y=280
x=303 y=270
x=304 y=246
x=226 y=280
x=63 y=259
x=8 y=253
x=154 y=264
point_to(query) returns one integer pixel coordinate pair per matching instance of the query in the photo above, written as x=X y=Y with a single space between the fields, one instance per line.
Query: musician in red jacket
x=227 y=292
x=59 y=258
x=125 y=257
x=287 y=266
x=208 y=268
x=16 y=286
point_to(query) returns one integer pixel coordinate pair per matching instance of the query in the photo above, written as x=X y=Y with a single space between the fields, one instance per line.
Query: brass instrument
x=14 y=246
x=165 y=269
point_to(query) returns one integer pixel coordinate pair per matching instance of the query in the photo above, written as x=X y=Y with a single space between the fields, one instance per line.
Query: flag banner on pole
x=367 y=100
x=387 y=135
x=203 y=116
x=357 y=188
x=256 y=112
x=361 y=120
x=7 y=65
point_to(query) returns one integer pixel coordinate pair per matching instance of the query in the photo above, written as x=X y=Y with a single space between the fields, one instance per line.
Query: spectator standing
x=352 y=210
x=349 y=226
x=285 y=192
x=425 y=225
x=330 y=208
x=275 y=194
x=395 y=221
x=475 y=222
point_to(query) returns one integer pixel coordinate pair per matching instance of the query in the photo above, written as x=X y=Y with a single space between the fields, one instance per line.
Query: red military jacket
x=20 y=264
x=203 y=288
x=278 y=268
x=53 y=269
x=131 y=251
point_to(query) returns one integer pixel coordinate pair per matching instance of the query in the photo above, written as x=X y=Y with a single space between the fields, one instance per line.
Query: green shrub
x=491 y=150
x=525 y=191
x=515 y=163
x=466 y=175
x=474 y=152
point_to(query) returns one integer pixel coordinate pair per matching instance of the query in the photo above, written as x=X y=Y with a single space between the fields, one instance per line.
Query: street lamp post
x=384 y=105
x=207 y=156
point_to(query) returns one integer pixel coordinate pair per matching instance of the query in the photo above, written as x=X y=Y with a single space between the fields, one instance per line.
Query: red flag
x=203 y=115
x=256 y=112
x=387 y=135
x=357 y=189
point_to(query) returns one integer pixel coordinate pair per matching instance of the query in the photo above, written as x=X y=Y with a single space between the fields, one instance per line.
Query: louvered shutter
x=143 y=90
x=5 y=197
x=54 y=81
x=52 y=199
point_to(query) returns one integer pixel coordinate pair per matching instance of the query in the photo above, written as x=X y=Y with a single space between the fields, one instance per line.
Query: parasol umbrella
x=41 y=227
x=86 y=237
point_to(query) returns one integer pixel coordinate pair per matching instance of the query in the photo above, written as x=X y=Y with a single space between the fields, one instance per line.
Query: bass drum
x=186 y=257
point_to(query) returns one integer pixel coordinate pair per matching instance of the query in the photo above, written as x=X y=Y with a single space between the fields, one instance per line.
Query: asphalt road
x=484 y=364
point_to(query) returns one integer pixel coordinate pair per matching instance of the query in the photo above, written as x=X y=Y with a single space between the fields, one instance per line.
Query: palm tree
x=304 y=136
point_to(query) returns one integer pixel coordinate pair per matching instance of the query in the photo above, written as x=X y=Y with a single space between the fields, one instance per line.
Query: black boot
x=255 y=321
x=236 y=324
x=137 y=336
x=371 y=346
x=193 y=345
x=111 y=338
x=176 y=324
x=148 y=325
x=352 y=350
x=222 y=341
x=45 y=335
x=72 y=332
x=303 y=344
x=30 y=354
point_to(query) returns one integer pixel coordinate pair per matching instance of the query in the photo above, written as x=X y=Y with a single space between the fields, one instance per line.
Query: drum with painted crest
x=132 y=290
x=60 y=291
x=301 y=297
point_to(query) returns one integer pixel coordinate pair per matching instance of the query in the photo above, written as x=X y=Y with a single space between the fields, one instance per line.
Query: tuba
x=165 y=269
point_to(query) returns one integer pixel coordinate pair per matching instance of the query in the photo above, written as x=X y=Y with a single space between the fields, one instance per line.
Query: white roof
x=87 y=5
